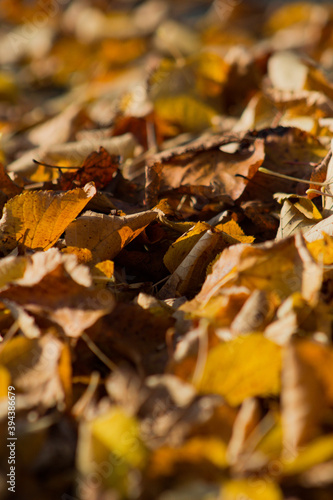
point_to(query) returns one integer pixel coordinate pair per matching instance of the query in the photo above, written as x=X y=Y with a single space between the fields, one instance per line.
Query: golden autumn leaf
x=37 y=219
x=318 y=451
x=106 y=235
x=236 y=234
x=196 y=451
x=185 y=110
x=5 y=380
x=183 y=245
x=256 y=489
x=322 y=249
x=120 y=434
x=166 y=249
x=280 y=267
x=244 y=367
x=112 y=437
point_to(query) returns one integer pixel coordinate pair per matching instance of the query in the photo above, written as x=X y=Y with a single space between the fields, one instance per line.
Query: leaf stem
x=289 y=178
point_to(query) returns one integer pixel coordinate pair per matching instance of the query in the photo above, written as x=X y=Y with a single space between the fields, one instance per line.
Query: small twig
x=96 y=350
x=315 y=191
x=289 y=178
x=54 y=166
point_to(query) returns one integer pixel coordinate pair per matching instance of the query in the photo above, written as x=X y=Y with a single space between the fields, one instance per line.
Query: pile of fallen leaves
x=166 y=249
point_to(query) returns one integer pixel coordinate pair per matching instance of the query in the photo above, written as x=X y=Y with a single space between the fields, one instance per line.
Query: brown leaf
x=99 y=167
x=54 y=287
x=8 y=187
x=203 y=163
x=33 y=365
x=303 y=400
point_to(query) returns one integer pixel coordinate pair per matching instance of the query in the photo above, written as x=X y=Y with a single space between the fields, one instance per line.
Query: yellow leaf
x=5 y=379
x=16 y=352
x=318 y=451
x=104 y=268
x=195 y=451
x=211 y=66
x=11 y=269
x=185 y=110
x=37 y=219
x=106 y=235
x=119 y=434
x=251 y=489
x=232 y=229
x=8 y=86
x=290 y=14
x=83 y=255
x=322 y=250
x=65 y=372
x=245 y=367
x=182 y=246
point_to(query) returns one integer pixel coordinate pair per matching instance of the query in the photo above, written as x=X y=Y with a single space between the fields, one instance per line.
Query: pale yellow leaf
x=297 y=214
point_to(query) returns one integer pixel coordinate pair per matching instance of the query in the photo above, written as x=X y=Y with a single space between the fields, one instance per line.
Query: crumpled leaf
x=53 y=286
x=37 y=219
x=297 y=214
x=191 y=166
x=106 y=235
x=8 y=187
x=307 y=389
x=73 y=153
x=297 y=315
x=281 y=267
x=189 y=274
x=285 y=153
x=316 y=232
x=33 y=365
x=246 y=421
x=188 y=257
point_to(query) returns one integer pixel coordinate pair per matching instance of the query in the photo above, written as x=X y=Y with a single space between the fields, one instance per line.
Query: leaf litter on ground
x=166 y=250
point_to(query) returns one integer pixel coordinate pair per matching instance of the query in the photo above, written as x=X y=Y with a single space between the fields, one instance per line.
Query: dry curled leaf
x=55 y=287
